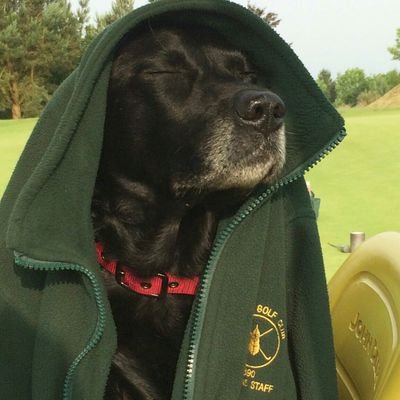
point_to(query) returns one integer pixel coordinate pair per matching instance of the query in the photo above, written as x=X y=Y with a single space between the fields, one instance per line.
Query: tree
x=118 y=10
x=269 y=17
x=87 y=31
x=395 y=50
x=41 y=42
x=327 y=85
x=392 y=79
x=350 y=85
x=377 y=86
x=382 y=83
x=34 y=36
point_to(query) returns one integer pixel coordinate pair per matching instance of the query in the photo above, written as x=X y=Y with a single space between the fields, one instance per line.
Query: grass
x=13 y=136
x=358 y=183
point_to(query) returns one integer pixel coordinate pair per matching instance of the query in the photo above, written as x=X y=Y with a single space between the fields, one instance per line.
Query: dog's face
x=190 y=112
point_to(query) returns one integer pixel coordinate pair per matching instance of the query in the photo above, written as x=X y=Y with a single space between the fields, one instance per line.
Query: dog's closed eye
x=170 y=62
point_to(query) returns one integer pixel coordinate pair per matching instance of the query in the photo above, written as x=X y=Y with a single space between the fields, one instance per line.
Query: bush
x=350 y=85
x=367 y=97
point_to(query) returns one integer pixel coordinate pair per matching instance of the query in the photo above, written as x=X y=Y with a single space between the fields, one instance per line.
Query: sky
x=329 y=34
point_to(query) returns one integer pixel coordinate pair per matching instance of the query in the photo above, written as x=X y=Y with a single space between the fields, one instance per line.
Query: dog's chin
x=259 y=165
x=248 y=176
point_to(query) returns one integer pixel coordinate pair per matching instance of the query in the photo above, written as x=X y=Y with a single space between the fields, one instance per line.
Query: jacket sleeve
x=309 y=324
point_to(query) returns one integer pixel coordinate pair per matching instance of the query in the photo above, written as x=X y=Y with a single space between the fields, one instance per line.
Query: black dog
x=188 y=135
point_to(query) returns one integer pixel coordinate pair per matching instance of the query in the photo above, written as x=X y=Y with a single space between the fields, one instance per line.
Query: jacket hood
x=264 y=274
x=53 y=182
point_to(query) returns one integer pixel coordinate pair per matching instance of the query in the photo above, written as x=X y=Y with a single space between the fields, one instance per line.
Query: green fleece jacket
x=260 y=325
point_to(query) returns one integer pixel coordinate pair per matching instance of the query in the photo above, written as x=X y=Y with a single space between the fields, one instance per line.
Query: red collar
x=156 y=286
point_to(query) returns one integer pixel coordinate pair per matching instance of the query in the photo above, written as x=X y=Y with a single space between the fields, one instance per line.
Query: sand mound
x=389 y=99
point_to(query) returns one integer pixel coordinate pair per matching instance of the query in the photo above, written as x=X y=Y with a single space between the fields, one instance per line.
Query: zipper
x=38 y=265
x=219 y=243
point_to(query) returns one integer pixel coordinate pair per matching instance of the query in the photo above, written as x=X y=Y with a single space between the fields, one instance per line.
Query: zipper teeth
x=198 y=309
x=101 y=315
x=96 y=336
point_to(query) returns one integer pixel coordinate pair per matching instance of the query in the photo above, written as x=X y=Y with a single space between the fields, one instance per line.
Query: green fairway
x=358 y=183
x=13 y=136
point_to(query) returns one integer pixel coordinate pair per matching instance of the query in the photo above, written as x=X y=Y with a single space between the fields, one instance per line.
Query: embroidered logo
x=265 y=340
x=264 y=343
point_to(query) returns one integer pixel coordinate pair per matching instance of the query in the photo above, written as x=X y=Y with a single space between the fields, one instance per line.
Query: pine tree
x=40 y=44
x=118 y=10
x=269 y=17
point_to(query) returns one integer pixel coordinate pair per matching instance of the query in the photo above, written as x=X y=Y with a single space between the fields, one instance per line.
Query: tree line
x=41 y=42
x=355 y=88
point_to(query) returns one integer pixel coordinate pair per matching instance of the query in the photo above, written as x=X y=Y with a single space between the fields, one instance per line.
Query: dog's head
x=185 y=108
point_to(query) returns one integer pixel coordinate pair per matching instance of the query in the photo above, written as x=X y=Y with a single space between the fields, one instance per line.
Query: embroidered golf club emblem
x=265 y=338
x=267 y=335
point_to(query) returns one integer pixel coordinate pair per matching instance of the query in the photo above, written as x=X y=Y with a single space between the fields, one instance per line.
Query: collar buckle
x=120 y=275
x=120 y=279
x=164 y=285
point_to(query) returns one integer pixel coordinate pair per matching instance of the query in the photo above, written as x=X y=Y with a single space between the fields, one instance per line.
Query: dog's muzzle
x=262 y=110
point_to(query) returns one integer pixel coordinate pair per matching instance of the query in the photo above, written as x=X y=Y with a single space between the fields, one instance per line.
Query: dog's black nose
x=263 y=110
